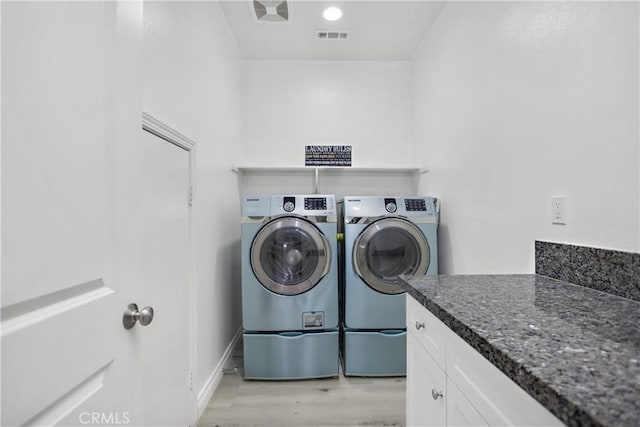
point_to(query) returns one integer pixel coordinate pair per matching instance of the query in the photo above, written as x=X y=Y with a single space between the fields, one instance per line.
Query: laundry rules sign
x=327 y=155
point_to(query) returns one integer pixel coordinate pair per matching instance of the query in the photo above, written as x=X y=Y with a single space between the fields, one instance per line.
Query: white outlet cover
x=559 y=210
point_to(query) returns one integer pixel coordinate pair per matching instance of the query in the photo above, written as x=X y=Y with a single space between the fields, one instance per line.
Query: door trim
x=172 y=136
x=162 y=130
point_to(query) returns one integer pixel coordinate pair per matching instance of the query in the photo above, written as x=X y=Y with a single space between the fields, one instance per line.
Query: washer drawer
x=290 y=355
x=375 y=354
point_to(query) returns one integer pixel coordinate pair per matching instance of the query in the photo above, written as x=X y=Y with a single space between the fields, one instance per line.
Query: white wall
x=290 y=104
x=192 y=81
x=516 y=102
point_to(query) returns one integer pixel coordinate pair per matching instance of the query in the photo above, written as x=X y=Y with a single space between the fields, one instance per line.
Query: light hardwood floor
x=343 y=401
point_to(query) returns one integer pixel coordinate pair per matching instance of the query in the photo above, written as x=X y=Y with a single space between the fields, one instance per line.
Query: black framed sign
x=327 y=155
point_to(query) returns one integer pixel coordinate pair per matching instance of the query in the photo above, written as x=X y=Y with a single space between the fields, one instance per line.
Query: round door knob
x=419 y=325
x=435 y=394
x=132 y=315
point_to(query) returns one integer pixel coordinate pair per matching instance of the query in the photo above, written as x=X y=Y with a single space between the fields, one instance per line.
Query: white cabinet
x=460 y=412
x=496 y=396
x=422 y=408
x=427 y=329
x=474 y=391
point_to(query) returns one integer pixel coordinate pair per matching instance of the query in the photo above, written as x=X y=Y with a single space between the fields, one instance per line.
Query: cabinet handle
x=419 y=325
x=435 y=394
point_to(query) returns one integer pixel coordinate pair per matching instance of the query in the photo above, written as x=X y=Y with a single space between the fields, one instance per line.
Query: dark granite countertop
x=574 y=349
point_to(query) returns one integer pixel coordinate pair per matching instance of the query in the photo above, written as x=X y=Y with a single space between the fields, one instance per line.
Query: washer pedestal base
x=290 y=355
x=374 y=354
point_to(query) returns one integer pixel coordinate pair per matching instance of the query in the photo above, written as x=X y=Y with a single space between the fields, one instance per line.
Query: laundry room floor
x=343 y=401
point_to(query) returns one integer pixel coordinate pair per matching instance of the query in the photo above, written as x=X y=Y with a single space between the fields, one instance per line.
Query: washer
x=384 y=237
x=290 y=287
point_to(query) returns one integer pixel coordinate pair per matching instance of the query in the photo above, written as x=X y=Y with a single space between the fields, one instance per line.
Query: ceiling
x=377 y=30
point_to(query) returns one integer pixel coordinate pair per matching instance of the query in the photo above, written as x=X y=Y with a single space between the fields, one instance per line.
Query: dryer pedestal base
x=290 y=355
x=374 y=353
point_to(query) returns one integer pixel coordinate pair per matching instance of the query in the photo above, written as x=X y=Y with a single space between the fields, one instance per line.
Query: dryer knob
x=391 y=207
x=289 y=207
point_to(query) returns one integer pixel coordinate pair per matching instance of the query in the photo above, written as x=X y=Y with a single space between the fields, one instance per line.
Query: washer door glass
x=388 y=248
x=290 y=255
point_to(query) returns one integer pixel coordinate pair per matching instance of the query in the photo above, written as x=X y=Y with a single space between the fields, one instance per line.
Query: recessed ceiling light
x=332 y=14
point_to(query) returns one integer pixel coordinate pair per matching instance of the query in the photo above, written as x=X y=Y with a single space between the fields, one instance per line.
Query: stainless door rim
x=322 y=251
x=360 y=261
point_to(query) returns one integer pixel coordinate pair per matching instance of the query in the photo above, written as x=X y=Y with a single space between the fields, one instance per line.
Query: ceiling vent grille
x=332 y=35
x=271 y=10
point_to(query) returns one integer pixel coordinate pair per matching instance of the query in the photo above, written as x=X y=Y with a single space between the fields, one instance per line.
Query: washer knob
x=289 y=206
x=391 y=207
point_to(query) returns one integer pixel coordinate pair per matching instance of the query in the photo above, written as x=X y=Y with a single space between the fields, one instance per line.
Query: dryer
x=384 y=238
x=289 y=287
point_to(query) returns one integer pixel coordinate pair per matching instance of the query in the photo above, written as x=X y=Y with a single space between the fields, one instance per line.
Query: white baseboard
x=210 y=386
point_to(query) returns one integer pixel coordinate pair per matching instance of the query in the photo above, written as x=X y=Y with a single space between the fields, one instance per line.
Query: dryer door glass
x=388 y=248
x=290 y=255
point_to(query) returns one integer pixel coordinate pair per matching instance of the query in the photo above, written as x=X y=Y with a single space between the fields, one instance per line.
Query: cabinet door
x=428 y=329
x=460 y=412
x=496 y=397
x=423 y=377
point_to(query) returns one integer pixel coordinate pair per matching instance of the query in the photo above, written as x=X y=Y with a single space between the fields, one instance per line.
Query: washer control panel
x=315 y=203
x=305 y=205
x=318 y=205
x=415 y=205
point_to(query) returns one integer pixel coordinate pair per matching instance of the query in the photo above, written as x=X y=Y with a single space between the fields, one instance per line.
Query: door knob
x=435 y=394
x=132 y=315
x=419 y=325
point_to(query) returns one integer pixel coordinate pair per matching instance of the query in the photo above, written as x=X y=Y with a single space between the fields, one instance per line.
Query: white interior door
x=94 y=216
x=155 y=269
x=60 y=338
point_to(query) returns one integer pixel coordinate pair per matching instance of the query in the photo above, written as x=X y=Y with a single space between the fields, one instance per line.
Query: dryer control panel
x=372 y=207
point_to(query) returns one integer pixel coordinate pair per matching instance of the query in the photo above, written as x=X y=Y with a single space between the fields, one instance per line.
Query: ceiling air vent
x=332 y=35
x=271 y=10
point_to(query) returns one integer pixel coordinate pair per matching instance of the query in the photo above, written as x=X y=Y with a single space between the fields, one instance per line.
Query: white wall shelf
x=311 y=169
x=329 y=179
